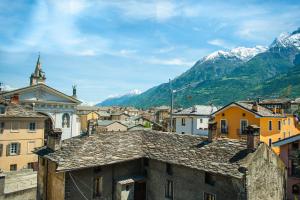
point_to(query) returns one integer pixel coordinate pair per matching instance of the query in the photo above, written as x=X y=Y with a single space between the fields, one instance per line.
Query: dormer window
x=2 y=109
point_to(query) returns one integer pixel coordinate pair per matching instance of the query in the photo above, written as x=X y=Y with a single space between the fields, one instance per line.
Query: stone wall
x=266 y=175
x=189 y=183
x=18 y=185
x=84 y=179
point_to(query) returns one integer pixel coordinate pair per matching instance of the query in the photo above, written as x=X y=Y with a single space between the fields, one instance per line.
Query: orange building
x=21 y=130
x=232 y=120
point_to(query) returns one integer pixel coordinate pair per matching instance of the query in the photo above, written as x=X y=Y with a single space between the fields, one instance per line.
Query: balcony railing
x=223 y=130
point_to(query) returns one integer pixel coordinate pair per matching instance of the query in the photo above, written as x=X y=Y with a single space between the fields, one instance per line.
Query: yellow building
x=21 y=130
x=232 y=120
x=84 y=119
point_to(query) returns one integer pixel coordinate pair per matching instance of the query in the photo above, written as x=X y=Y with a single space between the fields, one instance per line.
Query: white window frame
x=12 y=149
x=14 y=130
x=183 y=122
x=246 y=120
x=269 y=125
x=221 y=125
x=29 y=130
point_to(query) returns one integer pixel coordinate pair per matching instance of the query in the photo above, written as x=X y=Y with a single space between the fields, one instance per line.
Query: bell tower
x=38 y=77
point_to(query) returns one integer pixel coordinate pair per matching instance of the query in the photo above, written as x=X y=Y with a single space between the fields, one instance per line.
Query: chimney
x=54 y=139
x=194 y=108
x=15 y=99
x=91 y=127
x=255 y=106
x=212 y=126
x=253 y=139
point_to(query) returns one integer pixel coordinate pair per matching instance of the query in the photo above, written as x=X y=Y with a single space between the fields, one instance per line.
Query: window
x=284 y=122
x=66 y=120
x=98 y=186
x=295 y=146
x=223 y=126
x=279 y=125
x=32 y=126
x=14 y=126
x=270 y=125
x=201 y=120
x=2 y=127
x=209 y=178
x=295 y=189
x=182 y=132
x=208 y=196
x=2 y=110
x=244 y=125
x=169 y=189
x=169 y=169
x=13 y=167
x=183 y=121
x=295 y=171
x=32 y=165
x=13 y=149
x=283 y=134
x=270 y=142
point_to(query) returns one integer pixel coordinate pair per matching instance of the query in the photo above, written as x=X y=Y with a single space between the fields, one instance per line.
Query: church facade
x=59 y=107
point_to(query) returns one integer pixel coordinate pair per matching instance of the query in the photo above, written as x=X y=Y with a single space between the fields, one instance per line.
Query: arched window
x=295 y=189
x=66 y=120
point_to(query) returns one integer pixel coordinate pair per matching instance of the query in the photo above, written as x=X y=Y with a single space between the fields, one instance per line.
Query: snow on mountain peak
x=242 y=53
x=287 y=40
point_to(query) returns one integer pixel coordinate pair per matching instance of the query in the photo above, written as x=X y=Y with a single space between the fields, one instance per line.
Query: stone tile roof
x=16 y=110
x=222 y=156
x=262 y=111
x=198 y=110
x=107 y=122
x=103 y=113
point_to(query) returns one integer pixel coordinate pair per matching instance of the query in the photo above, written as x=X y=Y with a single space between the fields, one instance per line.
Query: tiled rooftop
x=262 y=111
x=222 y=156
x=198 y=110
x=16 y=110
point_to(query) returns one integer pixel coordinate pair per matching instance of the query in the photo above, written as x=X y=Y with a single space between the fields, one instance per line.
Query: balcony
x=223 y=130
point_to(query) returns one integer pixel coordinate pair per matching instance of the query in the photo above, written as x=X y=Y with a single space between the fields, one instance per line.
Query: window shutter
x=18 y=148
x=7 y=150
x=1 y=149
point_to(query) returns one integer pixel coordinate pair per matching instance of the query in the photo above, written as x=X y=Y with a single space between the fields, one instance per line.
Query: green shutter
x=7 y=150
x=1 y=149
x=18 y=148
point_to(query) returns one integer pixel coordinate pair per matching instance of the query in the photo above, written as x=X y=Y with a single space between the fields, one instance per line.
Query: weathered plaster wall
x=266 y=175
x=189 y=184
x=110 y=174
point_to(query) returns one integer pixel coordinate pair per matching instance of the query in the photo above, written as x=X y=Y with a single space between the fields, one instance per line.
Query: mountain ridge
x=227 y=77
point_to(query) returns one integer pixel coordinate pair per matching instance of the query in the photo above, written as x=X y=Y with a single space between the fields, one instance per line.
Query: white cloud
x=172 y=61
x=220 y=43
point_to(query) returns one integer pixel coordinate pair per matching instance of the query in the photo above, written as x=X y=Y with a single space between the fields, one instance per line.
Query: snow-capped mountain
x=242 y=53
x=287 y=40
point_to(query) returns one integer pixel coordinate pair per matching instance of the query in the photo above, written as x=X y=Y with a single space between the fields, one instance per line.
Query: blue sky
x=111 y=47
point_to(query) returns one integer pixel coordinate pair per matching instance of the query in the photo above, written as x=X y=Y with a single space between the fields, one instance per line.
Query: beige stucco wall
x=27 y=139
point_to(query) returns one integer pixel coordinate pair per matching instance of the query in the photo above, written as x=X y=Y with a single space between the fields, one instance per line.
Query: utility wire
x=77 y=187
